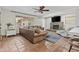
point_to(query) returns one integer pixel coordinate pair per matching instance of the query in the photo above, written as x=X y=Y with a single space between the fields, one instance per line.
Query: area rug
x=53 y=37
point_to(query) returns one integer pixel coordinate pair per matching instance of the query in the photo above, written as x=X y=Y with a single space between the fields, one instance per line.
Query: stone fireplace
x=56 y=25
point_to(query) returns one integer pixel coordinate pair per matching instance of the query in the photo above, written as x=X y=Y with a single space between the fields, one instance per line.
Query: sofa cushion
x=37 y=31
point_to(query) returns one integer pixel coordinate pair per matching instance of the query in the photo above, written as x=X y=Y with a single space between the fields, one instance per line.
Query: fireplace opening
x=55 y=26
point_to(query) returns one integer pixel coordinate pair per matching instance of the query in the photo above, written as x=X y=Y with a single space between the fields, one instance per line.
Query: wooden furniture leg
x=70 y=48
x=1 y=37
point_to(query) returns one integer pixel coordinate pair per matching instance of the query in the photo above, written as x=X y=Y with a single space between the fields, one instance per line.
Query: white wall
x=7 y=17
x=77 y=17
x=47 y=23
x=38 y=21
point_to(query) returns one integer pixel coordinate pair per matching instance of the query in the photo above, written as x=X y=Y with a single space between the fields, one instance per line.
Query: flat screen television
x=56 y=19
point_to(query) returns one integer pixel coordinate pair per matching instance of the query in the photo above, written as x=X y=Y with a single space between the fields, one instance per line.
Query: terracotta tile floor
x=20 y=44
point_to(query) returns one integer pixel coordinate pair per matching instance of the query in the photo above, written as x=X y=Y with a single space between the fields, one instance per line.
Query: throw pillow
x=37 y=31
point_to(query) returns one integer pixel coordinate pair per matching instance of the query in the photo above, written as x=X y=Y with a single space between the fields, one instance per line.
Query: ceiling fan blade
x=42 y=7
x=45 y=10
x=41 y=12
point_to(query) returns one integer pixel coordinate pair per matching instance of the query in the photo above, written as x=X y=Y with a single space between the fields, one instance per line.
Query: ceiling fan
x=42 y=9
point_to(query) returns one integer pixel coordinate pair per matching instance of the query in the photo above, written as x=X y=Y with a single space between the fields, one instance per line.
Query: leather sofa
x=32 y=36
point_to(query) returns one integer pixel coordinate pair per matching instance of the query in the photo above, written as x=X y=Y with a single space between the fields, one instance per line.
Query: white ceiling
x=30 y=9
